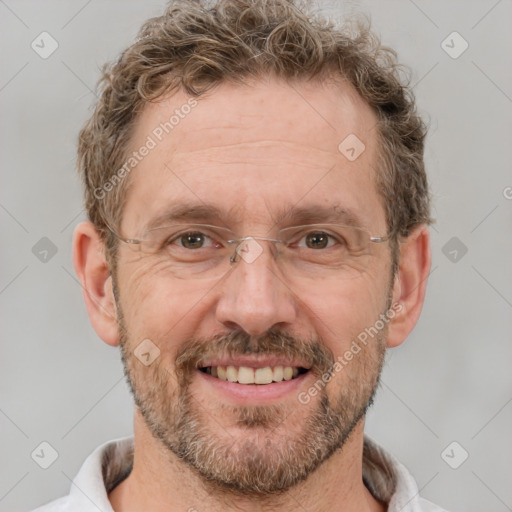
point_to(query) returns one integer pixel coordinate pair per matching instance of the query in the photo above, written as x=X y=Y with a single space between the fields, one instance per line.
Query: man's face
x=253 y=154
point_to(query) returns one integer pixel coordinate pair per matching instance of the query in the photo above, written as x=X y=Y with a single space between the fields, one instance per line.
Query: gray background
x=450 y=382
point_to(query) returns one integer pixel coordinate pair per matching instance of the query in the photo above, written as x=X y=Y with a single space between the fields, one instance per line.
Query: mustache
x=273 y=343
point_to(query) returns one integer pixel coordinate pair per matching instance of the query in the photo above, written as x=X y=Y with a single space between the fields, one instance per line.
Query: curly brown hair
x=197 y=44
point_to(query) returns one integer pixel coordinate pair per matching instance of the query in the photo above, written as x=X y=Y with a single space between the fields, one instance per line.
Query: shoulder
x=103 y=469
x=59 y=505
x=428 y=506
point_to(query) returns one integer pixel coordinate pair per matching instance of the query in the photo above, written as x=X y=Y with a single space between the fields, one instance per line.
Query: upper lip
x=252 y=362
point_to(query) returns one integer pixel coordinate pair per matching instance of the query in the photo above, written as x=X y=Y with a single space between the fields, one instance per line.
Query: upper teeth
x=248 y=375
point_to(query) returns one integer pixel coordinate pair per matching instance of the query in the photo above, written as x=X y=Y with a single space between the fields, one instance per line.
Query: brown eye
x=192 y=240
x=317 y=240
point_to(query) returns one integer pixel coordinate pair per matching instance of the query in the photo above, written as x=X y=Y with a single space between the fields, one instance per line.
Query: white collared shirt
x=109 y=464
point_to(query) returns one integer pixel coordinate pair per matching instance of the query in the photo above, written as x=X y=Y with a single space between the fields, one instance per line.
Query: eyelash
x=179 y=236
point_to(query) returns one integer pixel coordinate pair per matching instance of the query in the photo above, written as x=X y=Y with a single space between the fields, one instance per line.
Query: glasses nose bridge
x=248 y=248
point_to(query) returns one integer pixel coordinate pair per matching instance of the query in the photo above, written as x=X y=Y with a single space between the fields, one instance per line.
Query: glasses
x=312 y=251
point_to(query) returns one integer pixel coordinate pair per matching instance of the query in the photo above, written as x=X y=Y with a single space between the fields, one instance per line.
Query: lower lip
x=255 y=393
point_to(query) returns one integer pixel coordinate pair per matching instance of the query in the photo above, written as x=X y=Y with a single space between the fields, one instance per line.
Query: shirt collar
x=388 y=480
x=384 y=476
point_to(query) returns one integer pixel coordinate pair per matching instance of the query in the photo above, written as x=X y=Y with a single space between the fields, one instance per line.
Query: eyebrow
x=185 y=213
x=285 y=216
x=316 y=214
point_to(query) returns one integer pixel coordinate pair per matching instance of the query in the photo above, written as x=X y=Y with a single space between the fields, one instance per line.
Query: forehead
x=253 y=150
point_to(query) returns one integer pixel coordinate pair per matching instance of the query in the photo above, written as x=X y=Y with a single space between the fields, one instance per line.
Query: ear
x=410 y=285
x=93 y=271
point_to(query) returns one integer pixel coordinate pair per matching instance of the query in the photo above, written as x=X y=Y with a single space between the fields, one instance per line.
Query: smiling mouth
x=248 y=375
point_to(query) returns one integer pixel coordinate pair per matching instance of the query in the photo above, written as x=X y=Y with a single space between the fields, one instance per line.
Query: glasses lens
x=331 y=251
x=190 y=251
x=303 y=252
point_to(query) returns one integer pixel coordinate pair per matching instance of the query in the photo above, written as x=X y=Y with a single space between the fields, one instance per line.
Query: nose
x=254 y=296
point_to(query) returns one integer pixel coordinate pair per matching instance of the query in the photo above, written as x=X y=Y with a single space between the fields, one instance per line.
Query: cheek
x=341 y=310
x=159 y=308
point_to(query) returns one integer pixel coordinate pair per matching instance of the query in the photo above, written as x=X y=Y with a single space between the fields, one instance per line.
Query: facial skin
x=252 y=152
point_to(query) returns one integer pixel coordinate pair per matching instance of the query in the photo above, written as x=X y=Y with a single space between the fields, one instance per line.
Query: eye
x=317 y=240
x=192 y=240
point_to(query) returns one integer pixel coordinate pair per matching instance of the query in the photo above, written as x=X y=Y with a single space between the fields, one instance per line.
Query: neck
x=160 y=482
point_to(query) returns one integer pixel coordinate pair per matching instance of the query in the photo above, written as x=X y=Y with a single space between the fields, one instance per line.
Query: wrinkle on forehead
x=256 y=147
x=261 y=152
x=316 y=112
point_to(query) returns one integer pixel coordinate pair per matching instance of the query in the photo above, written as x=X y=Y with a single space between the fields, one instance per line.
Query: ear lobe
x=94 y=273
x=410 y=285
